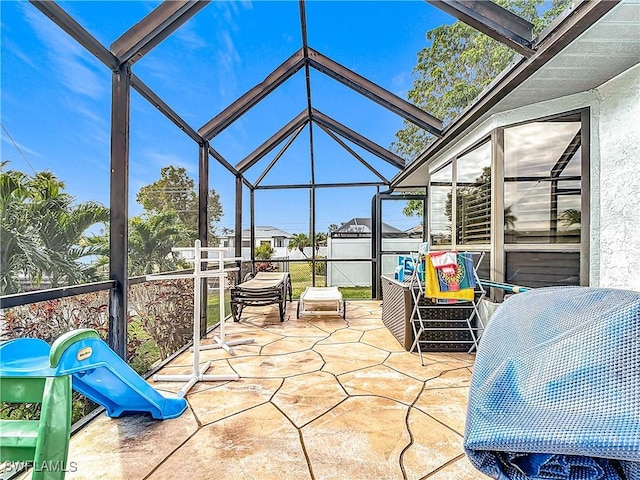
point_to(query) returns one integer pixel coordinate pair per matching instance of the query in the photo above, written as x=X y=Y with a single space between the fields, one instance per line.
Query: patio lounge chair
x=555 y=387
x=321 y=301
x=265 y=288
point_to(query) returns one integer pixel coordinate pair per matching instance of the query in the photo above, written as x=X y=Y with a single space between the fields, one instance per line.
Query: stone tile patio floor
x=318 y=398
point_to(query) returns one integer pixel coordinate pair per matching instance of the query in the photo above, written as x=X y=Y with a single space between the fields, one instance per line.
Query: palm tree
x=571 y=217
x=20 y=252
x=63 y=235
x=43 y=233
x=321 y=240
x=299 y=241
x=151 y=239
x=509 y=218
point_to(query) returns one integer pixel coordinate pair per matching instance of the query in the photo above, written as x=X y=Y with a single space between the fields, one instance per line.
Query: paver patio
x=318 y=398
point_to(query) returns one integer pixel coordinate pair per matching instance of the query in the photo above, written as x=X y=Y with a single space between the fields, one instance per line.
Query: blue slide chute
x=97 y=372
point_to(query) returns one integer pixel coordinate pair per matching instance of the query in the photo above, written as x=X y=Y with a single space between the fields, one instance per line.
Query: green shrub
x=263 y=251
x=163 y=310
x=161 y=322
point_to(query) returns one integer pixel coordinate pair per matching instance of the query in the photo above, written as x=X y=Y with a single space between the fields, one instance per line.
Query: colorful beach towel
x=462 y=276
x=432 y=284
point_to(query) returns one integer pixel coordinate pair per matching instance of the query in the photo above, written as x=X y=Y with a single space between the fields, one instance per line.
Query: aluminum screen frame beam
x=320 y=185
x=223 y=161
x=279 y=154
x=374 y=92
x=247 y=101
x=352 y=152
x=254 y=157
x=492 y=20
x=163 y=20
x=312 y=190
x=165 y=109
x=203 y=226
x=354 y=137
x=118 y=211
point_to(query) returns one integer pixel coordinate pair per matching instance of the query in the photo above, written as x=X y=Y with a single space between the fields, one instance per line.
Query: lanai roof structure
x=326 y=379
x=139 y=40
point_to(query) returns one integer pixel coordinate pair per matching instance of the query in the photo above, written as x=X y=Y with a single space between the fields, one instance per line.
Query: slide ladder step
x=18 y=439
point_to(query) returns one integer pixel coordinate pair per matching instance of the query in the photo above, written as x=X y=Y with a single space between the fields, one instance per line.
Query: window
x=473 y=197
x=440 y=213
x=543 y=188
x=542 y=165
x=543 y=239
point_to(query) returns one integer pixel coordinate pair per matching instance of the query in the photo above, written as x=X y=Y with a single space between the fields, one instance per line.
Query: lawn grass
x=213 y=308
x=301 y=278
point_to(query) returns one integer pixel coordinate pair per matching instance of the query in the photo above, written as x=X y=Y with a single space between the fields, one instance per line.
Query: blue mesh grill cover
x=555 y=392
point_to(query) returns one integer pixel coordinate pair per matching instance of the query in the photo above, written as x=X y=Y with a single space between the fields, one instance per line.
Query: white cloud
x=161 y=160
x=191 y=40
x=70 y=61
x=26 y=150
x=17 y=51
x=87 y=113
x=228 y=53
x=228 y=58
x=401 y=83
x=19 y=156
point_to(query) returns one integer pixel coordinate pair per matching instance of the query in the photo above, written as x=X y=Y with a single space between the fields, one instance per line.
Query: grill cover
x=555 y=391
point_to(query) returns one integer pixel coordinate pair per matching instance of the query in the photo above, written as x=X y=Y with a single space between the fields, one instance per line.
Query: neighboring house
x=353 y=240
x=278 y=239
x=415 y=231
x=543 y=167
x=361 y=228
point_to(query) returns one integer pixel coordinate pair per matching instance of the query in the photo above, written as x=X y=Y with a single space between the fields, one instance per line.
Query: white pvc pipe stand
x=198 y=372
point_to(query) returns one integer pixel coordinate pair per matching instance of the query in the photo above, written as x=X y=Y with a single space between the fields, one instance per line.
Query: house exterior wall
x=618 y=190
x=615 y=171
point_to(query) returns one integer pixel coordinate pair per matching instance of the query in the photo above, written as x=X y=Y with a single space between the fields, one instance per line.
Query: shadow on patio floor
x=318 y=398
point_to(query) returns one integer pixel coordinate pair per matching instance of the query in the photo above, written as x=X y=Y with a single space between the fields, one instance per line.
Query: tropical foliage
x=175 y=192
x=151 y=238
x=264 y=251
x=44 y=234
x=299 y=241
x=321 y=240
x=458 y=64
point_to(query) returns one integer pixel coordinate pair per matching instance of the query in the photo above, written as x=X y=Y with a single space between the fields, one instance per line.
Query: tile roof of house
x=363 y=225
x=266 y=231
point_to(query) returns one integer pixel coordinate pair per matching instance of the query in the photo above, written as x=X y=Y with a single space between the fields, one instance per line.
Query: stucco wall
x=618 y=189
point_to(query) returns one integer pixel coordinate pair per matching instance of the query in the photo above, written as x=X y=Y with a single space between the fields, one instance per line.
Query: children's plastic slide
x=96 y=371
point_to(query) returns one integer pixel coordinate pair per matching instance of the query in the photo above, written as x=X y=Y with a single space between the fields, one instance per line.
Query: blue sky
x=55 y=97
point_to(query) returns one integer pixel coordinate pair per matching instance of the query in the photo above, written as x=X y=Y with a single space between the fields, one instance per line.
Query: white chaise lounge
x=321 y=301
